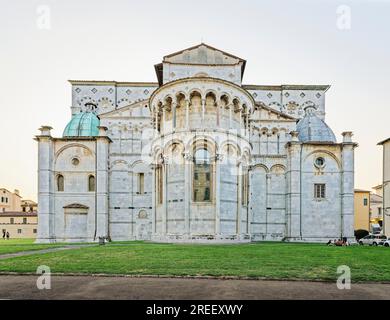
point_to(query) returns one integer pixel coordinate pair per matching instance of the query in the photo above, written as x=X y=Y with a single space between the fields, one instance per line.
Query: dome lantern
x=313 y=129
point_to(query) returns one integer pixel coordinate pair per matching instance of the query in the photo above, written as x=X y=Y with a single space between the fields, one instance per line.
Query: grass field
x=267 y=260
x=20 y=245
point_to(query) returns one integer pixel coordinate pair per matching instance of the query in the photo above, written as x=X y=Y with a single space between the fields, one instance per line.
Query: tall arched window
x=202 y=176
x=91 y=183
x=60 y=182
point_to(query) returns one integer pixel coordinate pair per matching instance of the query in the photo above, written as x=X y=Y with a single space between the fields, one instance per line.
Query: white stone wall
x=290 y=101
x=74 y=227
x=386 y=187
x=202 y=90
x=108 y=96
x=129 y=210
x=229 y=73
x=321 y=218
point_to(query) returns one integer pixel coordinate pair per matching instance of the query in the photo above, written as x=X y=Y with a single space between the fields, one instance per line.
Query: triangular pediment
x=202 y=54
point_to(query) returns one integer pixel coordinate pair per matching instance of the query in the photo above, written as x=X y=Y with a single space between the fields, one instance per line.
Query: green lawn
x=19 y=245
x=267 y=260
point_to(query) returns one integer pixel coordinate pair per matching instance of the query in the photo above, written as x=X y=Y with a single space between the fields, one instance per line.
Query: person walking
x=7 y=235
x=4 y=234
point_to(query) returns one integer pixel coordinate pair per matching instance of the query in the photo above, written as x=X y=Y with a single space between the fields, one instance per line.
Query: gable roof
x=205 y=45
x=279 y=113
x=124 y=108
x=159 y=67
x=383 y=142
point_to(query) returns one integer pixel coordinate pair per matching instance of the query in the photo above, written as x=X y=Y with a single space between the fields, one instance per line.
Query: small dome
x=312 y=129
x=83 y=124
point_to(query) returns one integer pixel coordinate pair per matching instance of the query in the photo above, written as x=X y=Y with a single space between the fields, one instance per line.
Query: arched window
x=202 y=178
x=141 y=183
x=91 y=183
x=60 y=182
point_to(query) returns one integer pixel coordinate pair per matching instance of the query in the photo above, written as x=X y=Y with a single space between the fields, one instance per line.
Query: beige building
x=10 y=201
x=376 y=207
x=29 y=206
x=19 y=224
x=17 y=217
x=386 y=186
x=362 y=209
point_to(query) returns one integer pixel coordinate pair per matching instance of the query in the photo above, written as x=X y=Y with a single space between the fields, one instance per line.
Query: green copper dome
x=83 y=124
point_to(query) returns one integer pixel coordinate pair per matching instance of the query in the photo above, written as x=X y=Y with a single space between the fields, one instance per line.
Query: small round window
x=75 y=161
x=320 y=162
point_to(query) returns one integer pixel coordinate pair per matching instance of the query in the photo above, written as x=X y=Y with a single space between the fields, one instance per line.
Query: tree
x=360 y=233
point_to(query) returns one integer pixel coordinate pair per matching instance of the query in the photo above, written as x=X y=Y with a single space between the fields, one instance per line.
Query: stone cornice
x=112 y=83
x=286 y=87
x=202 y=64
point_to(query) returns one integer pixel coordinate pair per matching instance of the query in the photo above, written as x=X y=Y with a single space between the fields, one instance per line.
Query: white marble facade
x=197 y=156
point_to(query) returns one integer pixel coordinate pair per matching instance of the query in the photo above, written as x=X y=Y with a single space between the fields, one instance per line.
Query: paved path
x=89 y=287
x=30 y=252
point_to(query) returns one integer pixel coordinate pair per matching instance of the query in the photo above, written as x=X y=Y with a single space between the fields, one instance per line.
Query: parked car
x=373 y=239
x=386 y=243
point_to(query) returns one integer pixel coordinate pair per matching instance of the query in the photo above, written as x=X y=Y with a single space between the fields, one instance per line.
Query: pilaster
x=46 y=215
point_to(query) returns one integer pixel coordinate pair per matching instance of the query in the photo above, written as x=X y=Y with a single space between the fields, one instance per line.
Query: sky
x=45 y=43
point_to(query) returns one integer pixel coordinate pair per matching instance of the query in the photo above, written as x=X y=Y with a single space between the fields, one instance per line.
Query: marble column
x=240 y=115
x=154 y=197
x=267 y=204
x=187 y=114
x=239 y=197
x=174 y=105
x=203 y=111
x=293 y=176
x=102 y=154
x=249 y=217
x=46 y=186
x=218 y=106
x=163 y=121
x=156 y=120
x=347 y=195
x=217 y=195
x=165 y=200
x=187 y=193
x=230 y=116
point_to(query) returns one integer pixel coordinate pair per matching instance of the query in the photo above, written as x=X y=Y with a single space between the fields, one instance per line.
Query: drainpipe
x=300 y=193
x=342 y=195
x=96 y=182
x=108 y=195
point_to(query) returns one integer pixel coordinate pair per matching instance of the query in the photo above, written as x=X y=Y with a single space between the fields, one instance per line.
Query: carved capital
x=187 y=156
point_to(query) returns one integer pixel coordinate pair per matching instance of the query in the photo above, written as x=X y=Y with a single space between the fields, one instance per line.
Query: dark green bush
x=360 y=233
